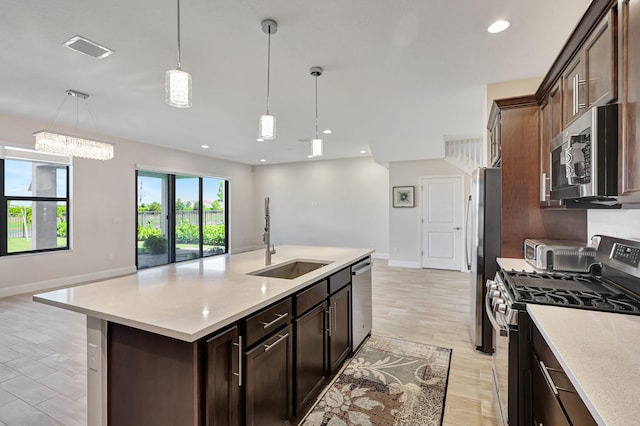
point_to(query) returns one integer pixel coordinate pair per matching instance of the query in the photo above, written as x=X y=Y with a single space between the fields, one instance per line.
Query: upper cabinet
x=550 y=125
x=629 y=153
x=590 y=78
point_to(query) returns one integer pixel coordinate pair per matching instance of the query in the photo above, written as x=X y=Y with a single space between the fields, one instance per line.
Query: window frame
x=172 y=220
x=27 y=155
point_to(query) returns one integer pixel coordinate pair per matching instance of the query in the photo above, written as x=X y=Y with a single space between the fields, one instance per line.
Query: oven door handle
x=502 y=329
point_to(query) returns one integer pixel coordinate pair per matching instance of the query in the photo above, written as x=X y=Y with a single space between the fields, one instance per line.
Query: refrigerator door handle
x=467 y=234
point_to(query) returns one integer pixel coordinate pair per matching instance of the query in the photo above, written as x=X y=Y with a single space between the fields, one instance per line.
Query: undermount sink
x=290 y=270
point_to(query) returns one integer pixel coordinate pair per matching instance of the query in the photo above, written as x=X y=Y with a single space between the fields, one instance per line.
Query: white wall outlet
x=92 y=357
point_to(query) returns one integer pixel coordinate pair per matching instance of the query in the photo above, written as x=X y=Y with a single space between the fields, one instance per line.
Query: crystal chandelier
x=267 y=124
x=178 y=82
x=57 y=143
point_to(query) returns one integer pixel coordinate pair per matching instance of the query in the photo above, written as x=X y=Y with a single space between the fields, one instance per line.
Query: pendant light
x=316 y=143
x=48 y=141
x=267 y=124
x=178 y=82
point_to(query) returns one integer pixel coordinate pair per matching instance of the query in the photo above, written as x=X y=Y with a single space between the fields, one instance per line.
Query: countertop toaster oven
x=560 y=255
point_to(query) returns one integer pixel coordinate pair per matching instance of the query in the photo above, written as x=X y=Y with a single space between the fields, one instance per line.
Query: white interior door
x=442 y=217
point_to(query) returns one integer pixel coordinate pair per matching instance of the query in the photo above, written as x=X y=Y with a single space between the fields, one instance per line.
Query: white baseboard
x=65 y=281
x=404 y=264
x=377 y=255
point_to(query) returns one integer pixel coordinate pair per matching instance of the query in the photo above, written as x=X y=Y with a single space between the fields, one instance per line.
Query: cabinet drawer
x=573 y=405
x=310 y=297
x=268 y=320
x=339 y=280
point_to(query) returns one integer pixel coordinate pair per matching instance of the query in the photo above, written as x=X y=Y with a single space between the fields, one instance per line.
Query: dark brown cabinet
x=269 y=374
x=495 y=147
x=629 y=156
x=339 y=327
x=550 y=126
x=311 y=356
x=590 y=78
x=224 y=379
x=555 y=400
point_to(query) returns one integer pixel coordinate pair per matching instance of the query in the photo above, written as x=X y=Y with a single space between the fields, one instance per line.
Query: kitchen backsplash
x=623 y=223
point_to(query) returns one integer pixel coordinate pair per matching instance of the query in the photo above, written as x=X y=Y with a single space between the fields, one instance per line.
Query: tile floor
x=43 y=362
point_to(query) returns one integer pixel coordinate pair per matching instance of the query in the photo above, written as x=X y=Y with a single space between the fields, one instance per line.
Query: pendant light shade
x=178 y=88
x=178 y=82
x=267 y=123
x=316 y=143
x=267 y=127
x=316 y=147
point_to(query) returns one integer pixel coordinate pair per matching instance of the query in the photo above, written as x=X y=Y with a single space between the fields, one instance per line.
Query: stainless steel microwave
x=584 y=157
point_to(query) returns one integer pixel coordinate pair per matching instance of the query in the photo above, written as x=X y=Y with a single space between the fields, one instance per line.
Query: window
x=35 y=201
x=180 y=217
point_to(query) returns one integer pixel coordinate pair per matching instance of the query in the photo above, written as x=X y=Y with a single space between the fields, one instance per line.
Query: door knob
x=457 y=228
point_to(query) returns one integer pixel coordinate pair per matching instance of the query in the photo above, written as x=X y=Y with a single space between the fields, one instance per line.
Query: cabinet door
x=340 y=327
x=630 y=62
x=600 y=63
x=269 y=375
x=573 y=90
x=494 y=140
x=224 y=379
x=311 y=356
x=555 y=103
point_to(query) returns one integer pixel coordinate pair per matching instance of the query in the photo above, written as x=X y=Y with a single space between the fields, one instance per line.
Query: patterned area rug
x=387 y=382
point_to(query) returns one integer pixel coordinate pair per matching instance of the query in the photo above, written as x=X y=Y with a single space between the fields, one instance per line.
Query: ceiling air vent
x=88 y=47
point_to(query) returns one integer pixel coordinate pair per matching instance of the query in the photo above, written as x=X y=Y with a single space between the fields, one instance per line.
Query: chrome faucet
x=266 y=237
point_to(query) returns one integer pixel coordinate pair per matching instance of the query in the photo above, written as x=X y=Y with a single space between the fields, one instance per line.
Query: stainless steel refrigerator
x=483 y=247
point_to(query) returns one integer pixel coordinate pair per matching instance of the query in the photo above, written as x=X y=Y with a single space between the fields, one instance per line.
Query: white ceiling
x=401 y=76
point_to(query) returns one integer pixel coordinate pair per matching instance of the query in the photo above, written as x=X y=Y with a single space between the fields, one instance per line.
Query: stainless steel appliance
x=483 y=247
x=584 y=157
x=361 y=301
x=616 y=289
x=559 y=255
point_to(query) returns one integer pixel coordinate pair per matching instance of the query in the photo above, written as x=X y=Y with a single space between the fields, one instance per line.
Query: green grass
x=15 y=245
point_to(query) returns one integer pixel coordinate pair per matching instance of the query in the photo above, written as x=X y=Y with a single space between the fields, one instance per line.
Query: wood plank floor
x=432 y=306
x=43 y=361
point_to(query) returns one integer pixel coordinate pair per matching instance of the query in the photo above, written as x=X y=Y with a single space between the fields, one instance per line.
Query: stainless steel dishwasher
x=361 y=301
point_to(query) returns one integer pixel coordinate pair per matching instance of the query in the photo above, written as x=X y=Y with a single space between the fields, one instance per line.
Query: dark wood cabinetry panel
x=311 y=354
x=223 y=380
x=522 y=216
x=268 y=320
x=546 y=408
x=340 y=324
x=339 y=280
x=310 y=297
x=151 y=380
x=269 y=387
x=555 y=103
x=545 y=142
x=629 y=175
x=601 y=62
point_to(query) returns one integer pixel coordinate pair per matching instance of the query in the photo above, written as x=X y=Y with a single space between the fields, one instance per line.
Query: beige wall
x=103 y=211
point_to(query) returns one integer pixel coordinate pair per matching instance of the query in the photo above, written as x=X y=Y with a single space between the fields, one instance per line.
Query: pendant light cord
x=268 y=66
x=179 y=66
x=316 y=107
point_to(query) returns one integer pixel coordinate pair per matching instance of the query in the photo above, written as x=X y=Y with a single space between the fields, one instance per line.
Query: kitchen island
x=186 y=302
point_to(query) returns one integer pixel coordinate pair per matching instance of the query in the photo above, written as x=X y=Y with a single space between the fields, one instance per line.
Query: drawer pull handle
x=548 y=379
x=239 y=373
x=335 y=316
x=281 y=338
x=329 y=321
x=266 y=325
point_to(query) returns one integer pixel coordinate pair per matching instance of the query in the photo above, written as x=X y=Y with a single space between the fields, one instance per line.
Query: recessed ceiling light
x=204 y=146
x=327 y=131
x=87 y=47
x=498 y=26
x=262 y=160
x=260 y=140
x=363 y=152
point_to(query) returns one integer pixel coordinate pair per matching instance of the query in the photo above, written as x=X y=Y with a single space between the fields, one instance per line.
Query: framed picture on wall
x=403 y=196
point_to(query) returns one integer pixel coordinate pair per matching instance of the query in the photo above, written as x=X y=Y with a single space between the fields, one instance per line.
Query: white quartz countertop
x=600 y=352
x=512 y=264
x=190 y=300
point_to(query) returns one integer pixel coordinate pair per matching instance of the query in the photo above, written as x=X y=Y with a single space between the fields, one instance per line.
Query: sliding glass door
x=153 y=219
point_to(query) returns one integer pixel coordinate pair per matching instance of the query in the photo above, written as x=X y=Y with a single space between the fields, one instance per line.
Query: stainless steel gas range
x=615 y=288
